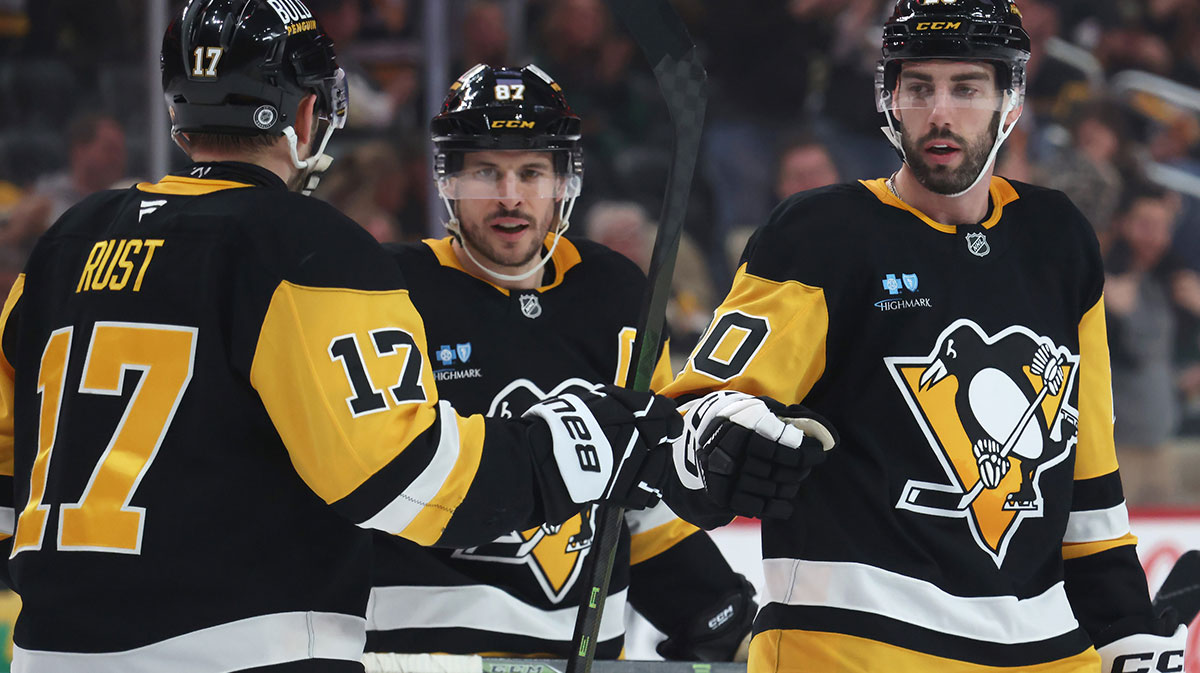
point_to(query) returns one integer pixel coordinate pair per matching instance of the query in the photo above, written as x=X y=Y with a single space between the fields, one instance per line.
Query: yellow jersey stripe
x=427 y=526
x=785 y=651
x=1096 y=454
x=1002 y=193
x=7 y=378
x=1074 y=551
x=565 y=256
x=177 y=185
x=651 y=543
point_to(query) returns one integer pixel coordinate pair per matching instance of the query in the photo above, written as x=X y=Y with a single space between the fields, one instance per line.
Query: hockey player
x=951 y=324
x=515 y=312
x=211 y=385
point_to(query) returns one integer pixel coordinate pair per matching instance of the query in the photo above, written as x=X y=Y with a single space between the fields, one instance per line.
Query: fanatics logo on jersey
x=994 y=410
x=531 y=306
x=894 y=286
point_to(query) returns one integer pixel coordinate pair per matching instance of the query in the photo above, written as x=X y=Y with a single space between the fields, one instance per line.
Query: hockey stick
x=664 y=39
x=960 y=502
x=1181 y=589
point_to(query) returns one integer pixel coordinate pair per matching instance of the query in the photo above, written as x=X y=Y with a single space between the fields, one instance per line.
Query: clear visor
x=922 y=93
x=339 y=97
x=500 y=182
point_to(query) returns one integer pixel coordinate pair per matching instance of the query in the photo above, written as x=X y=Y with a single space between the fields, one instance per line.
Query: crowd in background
x=1112 y=117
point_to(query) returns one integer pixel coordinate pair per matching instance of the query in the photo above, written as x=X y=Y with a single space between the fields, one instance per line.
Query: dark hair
x=231 y=144
x=83 y=129
x=1138 y=191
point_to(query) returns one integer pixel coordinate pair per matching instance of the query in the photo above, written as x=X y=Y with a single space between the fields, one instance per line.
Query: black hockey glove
x=749 y=454
x=608 y=444
x=716 y=633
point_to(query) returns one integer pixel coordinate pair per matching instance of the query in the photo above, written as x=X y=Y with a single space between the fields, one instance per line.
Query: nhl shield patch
x=977 y=244
x=531 y=306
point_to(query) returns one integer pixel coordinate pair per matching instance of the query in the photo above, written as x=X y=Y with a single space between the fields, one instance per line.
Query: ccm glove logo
x=1145 y=653
x=1169 y=661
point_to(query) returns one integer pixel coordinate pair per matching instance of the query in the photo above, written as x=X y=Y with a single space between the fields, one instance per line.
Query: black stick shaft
x=663 y=37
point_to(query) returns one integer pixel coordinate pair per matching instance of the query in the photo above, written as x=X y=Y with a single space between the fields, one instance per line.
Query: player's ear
x=1014 y=115
x=305 y=125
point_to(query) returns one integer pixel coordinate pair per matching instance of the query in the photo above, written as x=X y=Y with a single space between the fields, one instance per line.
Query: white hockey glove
x=608 y=444
x=1144 y=653
x=748 y=454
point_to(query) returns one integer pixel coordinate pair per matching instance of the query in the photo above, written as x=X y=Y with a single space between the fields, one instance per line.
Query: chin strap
x=312 y=167
x=565 y=207
x=1010 y=103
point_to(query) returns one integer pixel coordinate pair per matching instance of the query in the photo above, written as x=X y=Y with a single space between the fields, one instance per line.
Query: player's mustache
x=943 y=134
x=504 y=212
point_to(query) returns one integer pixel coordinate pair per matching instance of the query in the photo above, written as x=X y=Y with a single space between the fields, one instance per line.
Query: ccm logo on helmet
x=939 y=25
x=512 y=124
x=1170 y=661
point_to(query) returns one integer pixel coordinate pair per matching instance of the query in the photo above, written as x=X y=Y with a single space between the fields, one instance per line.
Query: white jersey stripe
x=642 y=520
x=8 y=520
x=248 y=643
x=1097 y=524
x=484 y=608
x=399 y=513
x=853 y=586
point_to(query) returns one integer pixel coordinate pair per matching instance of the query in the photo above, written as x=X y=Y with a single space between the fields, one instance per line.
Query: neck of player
x=970 y=208
x=533 y=282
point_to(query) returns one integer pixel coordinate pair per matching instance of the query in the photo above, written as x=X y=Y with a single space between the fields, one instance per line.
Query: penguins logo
x=553 y=554
x=987 y=405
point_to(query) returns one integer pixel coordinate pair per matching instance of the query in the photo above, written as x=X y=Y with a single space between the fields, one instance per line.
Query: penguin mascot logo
x=553 y=554
x=996 y=414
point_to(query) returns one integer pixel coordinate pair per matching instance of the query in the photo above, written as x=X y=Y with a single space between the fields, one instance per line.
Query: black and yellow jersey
x=217 y=385
x=497 y=351
x=933 y=348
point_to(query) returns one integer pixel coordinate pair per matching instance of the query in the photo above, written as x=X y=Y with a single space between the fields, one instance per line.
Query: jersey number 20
x=102 y=520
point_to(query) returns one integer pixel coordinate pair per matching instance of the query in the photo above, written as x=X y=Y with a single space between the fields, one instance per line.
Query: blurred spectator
x=804 y=163
x=372 y=186
x=626 y=228
x=1088 y=169
x=375 y=103
x=96 y=161
x=1145 y=288
x=484 y=35
x=623 y=114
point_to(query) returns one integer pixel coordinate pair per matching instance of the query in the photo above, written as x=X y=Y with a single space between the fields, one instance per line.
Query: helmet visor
x=491 y=181
x=968 y=90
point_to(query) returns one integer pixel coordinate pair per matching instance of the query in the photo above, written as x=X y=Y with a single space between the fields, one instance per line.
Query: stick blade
x=1181 y=589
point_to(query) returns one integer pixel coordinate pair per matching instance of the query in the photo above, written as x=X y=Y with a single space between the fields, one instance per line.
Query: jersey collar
x=207 y=177
x=565 y=257
x=1001 y=192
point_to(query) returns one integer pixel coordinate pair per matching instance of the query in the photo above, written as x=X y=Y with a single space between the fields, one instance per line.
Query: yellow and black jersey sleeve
x=7 y=403
x=662 y=369
x=1104 y=579
x=344 y=377
x=768 y=337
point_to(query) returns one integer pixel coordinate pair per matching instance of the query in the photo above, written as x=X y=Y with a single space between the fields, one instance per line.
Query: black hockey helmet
x=505 y=109
x=967 y=30
x=241 y=67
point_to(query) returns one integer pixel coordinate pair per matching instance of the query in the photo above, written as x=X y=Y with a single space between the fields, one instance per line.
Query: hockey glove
x=608 y=444
x=717 y=633
x=1145 y=652
x=749 y=454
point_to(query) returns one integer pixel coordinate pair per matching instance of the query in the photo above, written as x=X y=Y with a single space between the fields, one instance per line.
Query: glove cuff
x=1144 y=652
